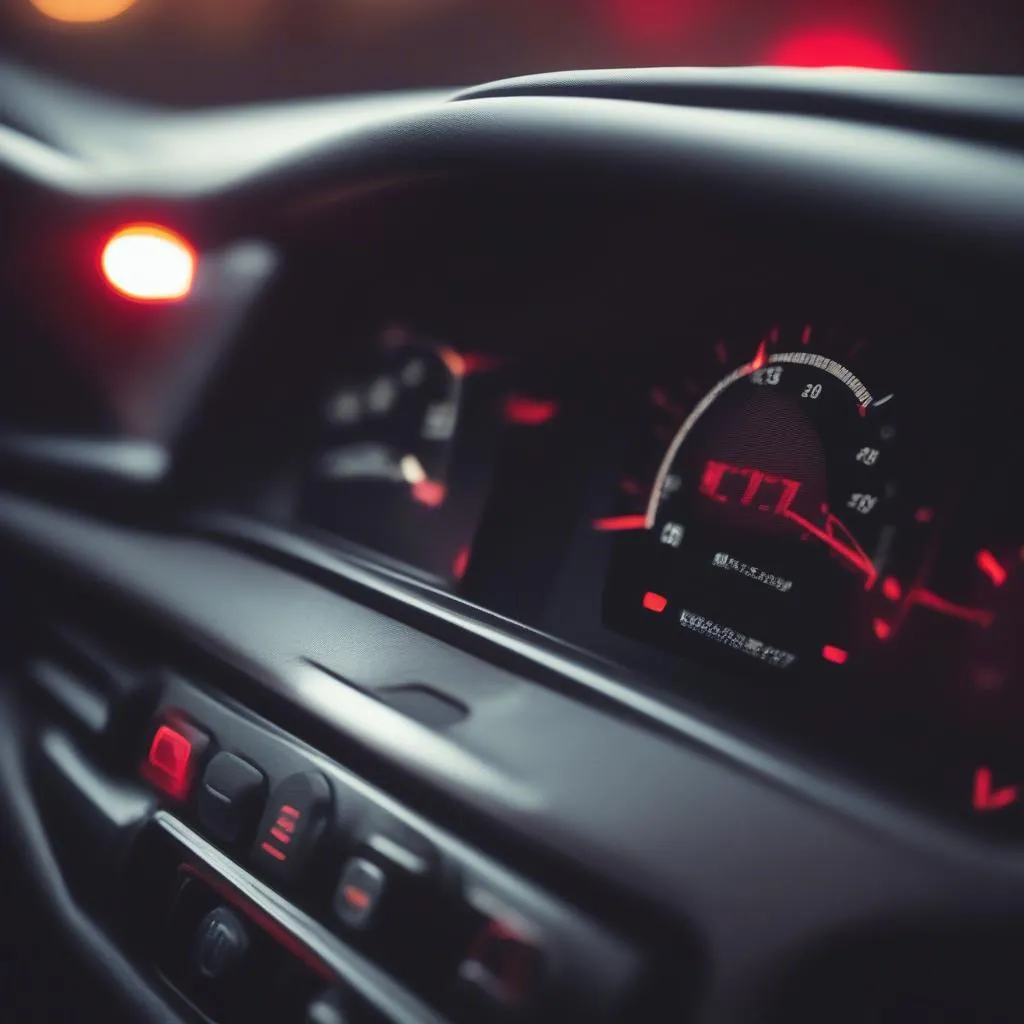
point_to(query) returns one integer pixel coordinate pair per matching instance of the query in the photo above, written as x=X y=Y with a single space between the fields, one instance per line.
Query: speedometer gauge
x=779 y=519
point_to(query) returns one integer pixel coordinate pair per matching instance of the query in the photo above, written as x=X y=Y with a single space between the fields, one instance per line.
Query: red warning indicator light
x=655 y=602
x=882 y=629
x=529 y=412
x=170 y=763
x=891 y=588
x=990 y=798
x=836 y=655
x=614 y=524
x=149 y=263
x=989 y=565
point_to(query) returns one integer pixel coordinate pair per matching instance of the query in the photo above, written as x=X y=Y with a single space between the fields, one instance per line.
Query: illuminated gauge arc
x=759 y=362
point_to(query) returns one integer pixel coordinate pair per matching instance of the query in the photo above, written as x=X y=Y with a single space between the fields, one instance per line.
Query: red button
x=173 y=755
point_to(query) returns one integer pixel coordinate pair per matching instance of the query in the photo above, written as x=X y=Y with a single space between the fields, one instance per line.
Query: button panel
x=467 y=937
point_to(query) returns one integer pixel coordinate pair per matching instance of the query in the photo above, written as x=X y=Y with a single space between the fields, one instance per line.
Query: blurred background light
x=82 y=11
x=149 y=263
x=834 y=47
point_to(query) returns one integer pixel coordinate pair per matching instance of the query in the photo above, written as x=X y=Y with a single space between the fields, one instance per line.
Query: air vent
x=102 y=692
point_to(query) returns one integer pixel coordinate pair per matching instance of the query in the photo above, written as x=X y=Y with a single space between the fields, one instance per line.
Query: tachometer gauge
x=781 y=517
x=403 y=463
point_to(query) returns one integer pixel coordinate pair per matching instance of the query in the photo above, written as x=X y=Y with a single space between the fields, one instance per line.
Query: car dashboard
x=570 y=525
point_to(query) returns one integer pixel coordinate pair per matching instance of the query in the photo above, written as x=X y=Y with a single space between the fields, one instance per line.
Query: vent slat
x=74 y=696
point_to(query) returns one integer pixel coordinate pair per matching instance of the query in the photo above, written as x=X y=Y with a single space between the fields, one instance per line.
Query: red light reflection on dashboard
x=990 y=566
x=461 y=563
x=834 y=47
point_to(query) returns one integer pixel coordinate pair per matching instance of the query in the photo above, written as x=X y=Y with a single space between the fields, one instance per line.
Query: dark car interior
x=541 y=551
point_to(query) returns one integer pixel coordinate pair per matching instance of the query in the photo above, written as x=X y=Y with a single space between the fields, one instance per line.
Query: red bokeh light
x=834 y=47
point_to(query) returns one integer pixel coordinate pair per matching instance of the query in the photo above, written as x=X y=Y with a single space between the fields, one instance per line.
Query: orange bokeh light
x=82 y=11
x=149 y=263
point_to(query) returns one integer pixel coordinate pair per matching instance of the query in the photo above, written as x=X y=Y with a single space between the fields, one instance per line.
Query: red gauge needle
x=846 y=545
x=927 y=599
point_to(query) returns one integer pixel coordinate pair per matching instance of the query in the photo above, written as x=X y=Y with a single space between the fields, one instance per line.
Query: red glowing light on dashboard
x=990 y=566
x=834 y=654
x=655 y=602
x=760 y=357
x=611 y=524
x=431 y=493
x=529 y=412
x=891 y=588
x=149 y=263
x=988 y=797
x=461 y=563
x=833 y=534
x=716 y=472
x=834 y=47
x=882 y=629
x=924 y=515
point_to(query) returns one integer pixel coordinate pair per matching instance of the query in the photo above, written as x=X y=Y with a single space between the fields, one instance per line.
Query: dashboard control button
x=231 y=796
x=359 y=893
x=221 y=944
x=403 y=849
x=292 y=825
x=174 y=755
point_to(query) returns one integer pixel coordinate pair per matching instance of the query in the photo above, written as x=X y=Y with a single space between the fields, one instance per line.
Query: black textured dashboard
x=613 y=476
